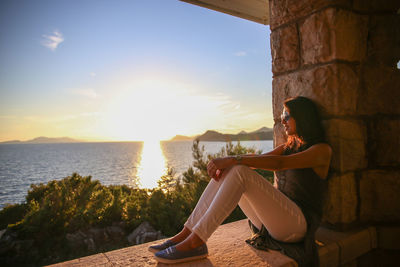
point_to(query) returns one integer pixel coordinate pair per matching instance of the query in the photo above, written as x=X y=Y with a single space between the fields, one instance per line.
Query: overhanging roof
x=254 y=10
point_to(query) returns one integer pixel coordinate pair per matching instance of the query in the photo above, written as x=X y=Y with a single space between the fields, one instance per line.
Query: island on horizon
x=264 y=133
x=44 y=140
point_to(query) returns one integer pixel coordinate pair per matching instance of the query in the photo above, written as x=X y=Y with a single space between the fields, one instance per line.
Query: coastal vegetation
x=39 y=230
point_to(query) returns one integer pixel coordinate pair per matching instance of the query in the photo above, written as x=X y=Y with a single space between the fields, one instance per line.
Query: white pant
x=260 y=201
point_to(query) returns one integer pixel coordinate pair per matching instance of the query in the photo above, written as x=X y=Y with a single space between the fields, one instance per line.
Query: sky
x=130 y=70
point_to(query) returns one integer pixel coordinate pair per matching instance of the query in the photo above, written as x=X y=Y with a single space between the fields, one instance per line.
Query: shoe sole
x=168 y=261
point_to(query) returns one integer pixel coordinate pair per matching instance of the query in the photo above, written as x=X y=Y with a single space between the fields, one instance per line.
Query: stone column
x=343 y=54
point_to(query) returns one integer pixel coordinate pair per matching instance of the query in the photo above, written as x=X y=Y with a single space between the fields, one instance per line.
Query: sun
x=146 y=111
x=153 y=110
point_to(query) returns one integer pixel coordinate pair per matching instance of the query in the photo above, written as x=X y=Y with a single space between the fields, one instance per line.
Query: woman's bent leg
x=248 y=210
x=202 y=205
x=281 y=216
x=265 y=205
x=225 y=200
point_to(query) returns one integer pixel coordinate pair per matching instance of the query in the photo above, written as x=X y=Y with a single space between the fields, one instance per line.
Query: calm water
x=132 y=163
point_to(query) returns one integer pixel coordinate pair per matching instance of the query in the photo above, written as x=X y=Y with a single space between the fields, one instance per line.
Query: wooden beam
x=254 y=10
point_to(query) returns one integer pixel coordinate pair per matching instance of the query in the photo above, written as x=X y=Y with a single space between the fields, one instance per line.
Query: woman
x=289 y=210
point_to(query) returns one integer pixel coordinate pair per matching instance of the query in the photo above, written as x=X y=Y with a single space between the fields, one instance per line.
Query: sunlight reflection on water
x=152 y=165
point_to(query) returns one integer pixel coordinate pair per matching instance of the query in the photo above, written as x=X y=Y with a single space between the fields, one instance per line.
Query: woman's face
x=288 y=122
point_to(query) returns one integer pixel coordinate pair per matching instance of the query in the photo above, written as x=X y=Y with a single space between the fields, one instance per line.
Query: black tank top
x=304 y=187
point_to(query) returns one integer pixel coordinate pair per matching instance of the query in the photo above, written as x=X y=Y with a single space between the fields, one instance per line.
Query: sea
x=136 y=164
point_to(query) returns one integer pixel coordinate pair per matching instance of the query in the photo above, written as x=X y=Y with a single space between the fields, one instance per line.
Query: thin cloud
x=88 y=92
x=93 y=74
x=53 y=40
x=241 y=54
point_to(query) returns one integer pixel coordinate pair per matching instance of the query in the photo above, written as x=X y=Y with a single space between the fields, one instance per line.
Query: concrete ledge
x=338 y=248
x=227 y=248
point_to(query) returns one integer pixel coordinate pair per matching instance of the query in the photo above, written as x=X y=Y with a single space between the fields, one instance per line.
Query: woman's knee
x=238 y=172
x=239 y=169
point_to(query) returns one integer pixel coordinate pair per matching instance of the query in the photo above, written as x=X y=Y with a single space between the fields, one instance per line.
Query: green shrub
x=12 y=213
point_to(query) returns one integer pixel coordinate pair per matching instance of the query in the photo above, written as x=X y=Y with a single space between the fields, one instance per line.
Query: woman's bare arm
x=318 y=155
x=276 y=151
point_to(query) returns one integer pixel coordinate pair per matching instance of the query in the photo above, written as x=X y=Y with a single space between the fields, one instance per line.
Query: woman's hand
x=217 y=166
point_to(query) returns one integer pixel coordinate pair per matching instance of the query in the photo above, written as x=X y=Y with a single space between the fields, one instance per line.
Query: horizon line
x=90 y=140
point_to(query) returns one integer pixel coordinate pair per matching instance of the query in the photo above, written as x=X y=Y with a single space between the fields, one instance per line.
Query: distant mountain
x=262 y=130
x=11 y=142
x=44 y=140
x=182 y=138
x=212 y=136
x=263 y=133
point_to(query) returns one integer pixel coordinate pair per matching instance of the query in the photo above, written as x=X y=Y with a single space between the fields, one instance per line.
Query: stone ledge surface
x=228 y=248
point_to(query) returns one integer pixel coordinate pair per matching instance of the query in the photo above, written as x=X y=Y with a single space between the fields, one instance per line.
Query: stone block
x=356 y=244
x=329 y=236
x=279 y=134
x=341 y=202
x=329 y=255
x=351 y=244
x=379 y=93
x=377 y=5
x=334 y=87
x=285 y=11
x=348 y=141
x=380 y=257
x=285 y=49
x=384 y=40
x=379 y=196
x=352 y=263
x=333 y=34
x=280 y=91
x=388 y=237
x=384 y=142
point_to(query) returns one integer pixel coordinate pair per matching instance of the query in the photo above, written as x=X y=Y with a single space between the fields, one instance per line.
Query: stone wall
x=343 y=54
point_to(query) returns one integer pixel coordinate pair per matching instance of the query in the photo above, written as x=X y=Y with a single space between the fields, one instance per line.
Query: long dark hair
x=308 y=124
